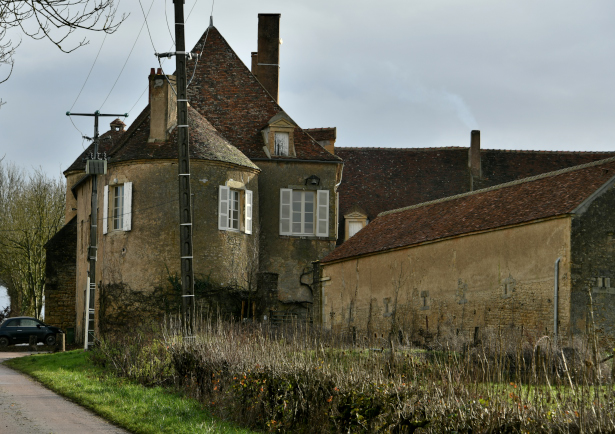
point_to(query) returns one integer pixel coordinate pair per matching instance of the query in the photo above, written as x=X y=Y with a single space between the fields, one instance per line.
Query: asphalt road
x=26 y=407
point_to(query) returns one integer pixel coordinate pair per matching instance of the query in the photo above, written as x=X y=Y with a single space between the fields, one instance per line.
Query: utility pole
x=95 y=165
x=183 y=156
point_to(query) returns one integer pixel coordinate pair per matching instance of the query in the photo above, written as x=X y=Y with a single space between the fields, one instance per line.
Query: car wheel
x=4 y=341
x=50 y=340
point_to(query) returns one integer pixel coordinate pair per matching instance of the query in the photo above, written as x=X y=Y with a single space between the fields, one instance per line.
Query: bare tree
x=54 y=20
x=31 y=212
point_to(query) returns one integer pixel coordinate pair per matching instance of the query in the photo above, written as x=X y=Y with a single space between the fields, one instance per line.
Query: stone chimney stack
x=474 y=155
x=163 y=106
x=268 y=55
x=254 y=66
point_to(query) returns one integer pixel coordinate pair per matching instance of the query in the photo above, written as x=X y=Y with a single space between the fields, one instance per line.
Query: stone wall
x=593 y=266
x=290 y=256
x=144 y=257
x=60 y=270
x=463 y=285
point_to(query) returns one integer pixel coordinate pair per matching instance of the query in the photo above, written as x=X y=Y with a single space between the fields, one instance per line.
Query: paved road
x=26 y=407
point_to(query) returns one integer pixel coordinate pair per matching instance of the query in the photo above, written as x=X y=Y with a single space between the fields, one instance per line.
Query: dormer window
x=281 y=143
x=355 y=220
x=278 y=136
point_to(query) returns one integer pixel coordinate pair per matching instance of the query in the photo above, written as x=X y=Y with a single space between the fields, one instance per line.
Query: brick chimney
x=163 y=106
x=268 y=55
x=474 y=155
x=254 y=67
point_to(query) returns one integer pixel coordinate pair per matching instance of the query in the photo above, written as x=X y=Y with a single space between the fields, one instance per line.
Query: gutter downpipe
x=555 y=297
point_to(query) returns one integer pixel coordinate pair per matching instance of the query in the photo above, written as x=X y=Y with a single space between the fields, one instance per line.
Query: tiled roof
x=205 y=144
x=521 y=201
x=226 y=93
x=106 y=142
x=381 y=179
x=321 y=134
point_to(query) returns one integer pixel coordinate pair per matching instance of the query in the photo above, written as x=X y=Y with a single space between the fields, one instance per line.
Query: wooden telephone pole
x=95 y=165
x=185 y=202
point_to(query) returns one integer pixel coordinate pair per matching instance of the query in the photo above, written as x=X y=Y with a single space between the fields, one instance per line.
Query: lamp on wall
x=312 y=180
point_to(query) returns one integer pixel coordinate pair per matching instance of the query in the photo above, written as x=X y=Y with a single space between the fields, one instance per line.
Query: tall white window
x=281 y=143
x=118 y=204
x=354 y=227
x=234 y=209
x=304 y=212
x=118 y=207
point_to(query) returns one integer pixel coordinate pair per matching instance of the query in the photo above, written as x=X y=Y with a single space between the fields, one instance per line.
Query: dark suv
x=18 y=331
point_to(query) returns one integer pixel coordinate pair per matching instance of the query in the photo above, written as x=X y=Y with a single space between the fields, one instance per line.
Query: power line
x=91 y=68
x=83 y=86
x=163 y=60
x=147 y=25
x=129 y=54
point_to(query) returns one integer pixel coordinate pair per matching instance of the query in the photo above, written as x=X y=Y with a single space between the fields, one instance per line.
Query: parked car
x=19 y=329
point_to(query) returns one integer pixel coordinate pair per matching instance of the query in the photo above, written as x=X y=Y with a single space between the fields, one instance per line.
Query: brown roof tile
x=205 y=144
x=542 y=196
x=321 y=134
x=226 y=93
x=381 y=179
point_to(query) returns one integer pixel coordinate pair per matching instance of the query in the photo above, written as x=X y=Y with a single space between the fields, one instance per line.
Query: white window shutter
x=248 y=208
x=105 y=209
x=127 y=217
x=223 y=198
x=322 y=216
x=285 y=204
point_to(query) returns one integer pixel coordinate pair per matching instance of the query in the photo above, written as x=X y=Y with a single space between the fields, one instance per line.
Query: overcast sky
x=388 y=73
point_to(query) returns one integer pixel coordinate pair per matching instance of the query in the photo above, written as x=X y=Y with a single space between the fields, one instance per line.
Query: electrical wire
x=211 y=15
x=91 y=68
x=83 y=86
x=147 y=25
x=129 y=54
x=163 y=60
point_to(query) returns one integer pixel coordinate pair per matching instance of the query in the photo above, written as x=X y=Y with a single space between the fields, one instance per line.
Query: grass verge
x=131 y=406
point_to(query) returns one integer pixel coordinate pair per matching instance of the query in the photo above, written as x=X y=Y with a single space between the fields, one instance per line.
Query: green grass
x=128 y=405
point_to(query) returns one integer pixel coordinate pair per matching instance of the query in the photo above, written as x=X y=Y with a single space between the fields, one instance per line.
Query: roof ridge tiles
x=501 y=186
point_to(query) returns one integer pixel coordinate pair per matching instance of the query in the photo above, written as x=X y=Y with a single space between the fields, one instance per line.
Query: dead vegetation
x=295 y=378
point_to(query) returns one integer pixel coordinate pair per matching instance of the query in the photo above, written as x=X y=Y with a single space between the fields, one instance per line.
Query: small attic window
x=278 y=136
x=281 y=144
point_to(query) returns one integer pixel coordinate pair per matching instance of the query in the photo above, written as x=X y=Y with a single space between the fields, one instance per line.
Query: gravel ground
x=28 y=407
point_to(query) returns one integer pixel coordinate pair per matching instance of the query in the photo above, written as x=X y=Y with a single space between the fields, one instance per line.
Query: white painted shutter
x=105 y=209
x=322 y=213
x=127 y=217
x=223 y=197
x=248 y=208
x=285 y=203
x=353 y=228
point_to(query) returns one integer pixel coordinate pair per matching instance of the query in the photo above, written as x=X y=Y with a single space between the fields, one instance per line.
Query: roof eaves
x=583 y=206
x=505 y=185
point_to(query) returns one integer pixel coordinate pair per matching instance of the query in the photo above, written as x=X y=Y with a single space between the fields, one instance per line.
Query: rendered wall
x=140 y=258
x=487 y=280
x=286 y=255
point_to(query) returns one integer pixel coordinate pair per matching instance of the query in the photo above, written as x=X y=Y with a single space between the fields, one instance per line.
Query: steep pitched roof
x=381 y=179
x=539 y=197
x=322 y=134
x=205 y=144
x=226 y=93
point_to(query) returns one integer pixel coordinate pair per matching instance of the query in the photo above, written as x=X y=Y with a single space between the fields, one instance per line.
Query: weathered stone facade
x=287 y=255
x=466 y=284
x=483 y=260
x=593 y=267
x=60 y=277
x=144 y=257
